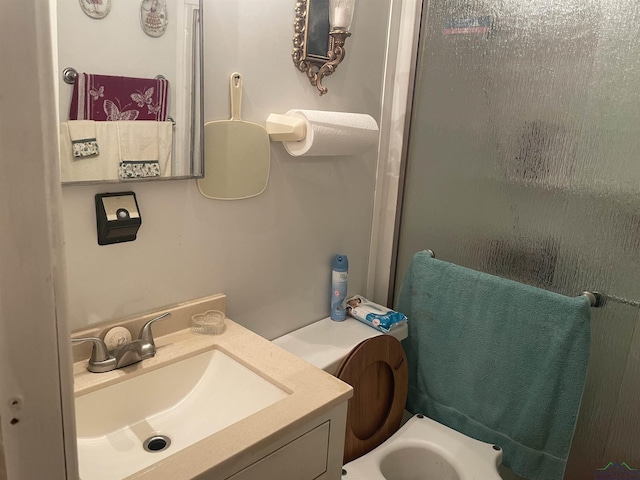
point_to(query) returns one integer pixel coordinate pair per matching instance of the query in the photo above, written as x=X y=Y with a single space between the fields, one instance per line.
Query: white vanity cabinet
x=298 y=434
x=312 y=451
x=304 y=457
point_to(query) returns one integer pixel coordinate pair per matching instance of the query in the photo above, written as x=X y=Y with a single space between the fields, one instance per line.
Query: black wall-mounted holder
x=117 y=217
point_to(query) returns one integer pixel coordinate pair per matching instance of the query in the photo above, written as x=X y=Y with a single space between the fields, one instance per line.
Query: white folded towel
x=101 y=167
x=145 y=149
x=127 y=151
x=82 y=134
x=165 y=147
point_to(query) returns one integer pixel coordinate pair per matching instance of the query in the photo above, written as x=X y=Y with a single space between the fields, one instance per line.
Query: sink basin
x=170 y=408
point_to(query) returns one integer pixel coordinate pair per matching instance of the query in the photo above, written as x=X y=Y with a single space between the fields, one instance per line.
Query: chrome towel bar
x=596 y=299
x=70 y=74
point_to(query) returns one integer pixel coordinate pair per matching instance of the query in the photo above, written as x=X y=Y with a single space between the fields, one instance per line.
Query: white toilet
x=376 y=448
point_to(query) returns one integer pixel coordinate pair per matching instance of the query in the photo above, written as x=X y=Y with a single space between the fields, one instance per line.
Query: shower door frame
x=397 y=102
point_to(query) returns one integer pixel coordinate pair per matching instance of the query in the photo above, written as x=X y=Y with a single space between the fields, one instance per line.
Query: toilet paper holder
x=284 y=128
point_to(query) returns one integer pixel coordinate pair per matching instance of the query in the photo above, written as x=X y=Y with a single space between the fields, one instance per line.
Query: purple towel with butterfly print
x=109 y=98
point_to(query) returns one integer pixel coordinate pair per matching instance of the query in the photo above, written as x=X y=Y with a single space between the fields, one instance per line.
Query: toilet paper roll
x=334 y=133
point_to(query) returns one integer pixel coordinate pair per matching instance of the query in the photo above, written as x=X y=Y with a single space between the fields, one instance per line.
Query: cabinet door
x=304 y=458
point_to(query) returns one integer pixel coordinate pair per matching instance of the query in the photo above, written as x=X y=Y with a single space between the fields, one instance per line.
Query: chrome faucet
x=104 y=360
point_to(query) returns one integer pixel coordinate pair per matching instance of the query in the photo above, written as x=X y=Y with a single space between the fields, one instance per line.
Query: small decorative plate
x=153 y=17
x=96 y=8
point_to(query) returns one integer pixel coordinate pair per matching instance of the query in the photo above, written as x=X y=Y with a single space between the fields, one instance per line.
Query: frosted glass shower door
x=524 y=162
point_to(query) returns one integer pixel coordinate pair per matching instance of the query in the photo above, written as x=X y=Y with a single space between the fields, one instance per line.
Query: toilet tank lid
x=326 y=343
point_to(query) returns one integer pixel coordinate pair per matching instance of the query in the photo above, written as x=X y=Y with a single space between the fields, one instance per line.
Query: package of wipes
x=377 y=316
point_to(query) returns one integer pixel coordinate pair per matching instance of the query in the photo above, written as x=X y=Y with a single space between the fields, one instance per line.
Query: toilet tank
x=326 y=343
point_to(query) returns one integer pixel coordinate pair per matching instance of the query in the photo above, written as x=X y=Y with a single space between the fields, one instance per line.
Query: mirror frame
x=304 y=61
x=194 y=133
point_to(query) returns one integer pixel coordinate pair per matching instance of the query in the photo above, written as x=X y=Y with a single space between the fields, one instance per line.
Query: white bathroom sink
x=185 y=401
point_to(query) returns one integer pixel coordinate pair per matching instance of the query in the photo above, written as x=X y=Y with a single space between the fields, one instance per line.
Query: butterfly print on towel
x=96 y=94
x=143 y=99
x=114 y=114
x=146 y=98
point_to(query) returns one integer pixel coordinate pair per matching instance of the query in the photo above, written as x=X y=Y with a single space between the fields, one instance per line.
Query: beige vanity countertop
x=312 y=392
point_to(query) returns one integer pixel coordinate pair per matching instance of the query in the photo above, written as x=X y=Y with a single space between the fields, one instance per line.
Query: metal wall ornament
x=153 y=17
x=96 y=8
x=339 y=14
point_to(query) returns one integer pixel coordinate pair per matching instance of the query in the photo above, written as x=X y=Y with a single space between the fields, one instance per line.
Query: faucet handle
x=145 y=332
x=101 y=360
x=100 y=352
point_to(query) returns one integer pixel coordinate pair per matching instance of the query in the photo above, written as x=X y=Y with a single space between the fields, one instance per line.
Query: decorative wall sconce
x=321 y=29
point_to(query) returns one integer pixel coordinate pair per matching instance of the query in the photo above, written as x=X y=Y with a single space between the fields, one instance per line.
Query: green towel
x=497 y=360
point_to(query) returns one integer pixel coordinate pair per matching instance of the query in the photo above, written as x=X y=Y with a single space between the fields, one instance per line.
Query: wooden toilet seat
x=377 y=370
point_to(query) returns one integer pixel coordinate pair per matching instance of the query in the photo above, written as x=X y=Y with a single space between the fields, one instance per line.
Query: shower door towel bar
x=596 y=299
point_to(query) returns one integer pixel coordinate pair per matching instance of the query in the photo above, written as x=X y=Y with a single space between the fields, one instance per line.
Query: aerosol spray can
x=339 y=273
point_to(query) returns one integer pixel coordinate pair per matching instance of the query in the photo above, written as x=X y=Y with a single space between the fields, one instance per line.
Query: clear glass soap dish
x=210 y=322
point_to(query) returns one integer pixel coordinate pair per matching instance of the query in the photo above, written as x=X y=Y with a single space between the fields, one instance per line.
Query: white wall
x=270 y=254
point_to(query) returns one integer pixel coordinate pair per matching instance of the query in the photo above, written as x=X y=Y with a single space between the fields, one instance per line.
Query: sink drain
x=157 y=443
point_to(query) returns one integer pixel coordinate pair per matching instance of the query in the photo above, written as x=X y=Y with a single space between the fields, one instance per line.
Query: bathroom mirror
x=311 y=40
x=159 y=41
